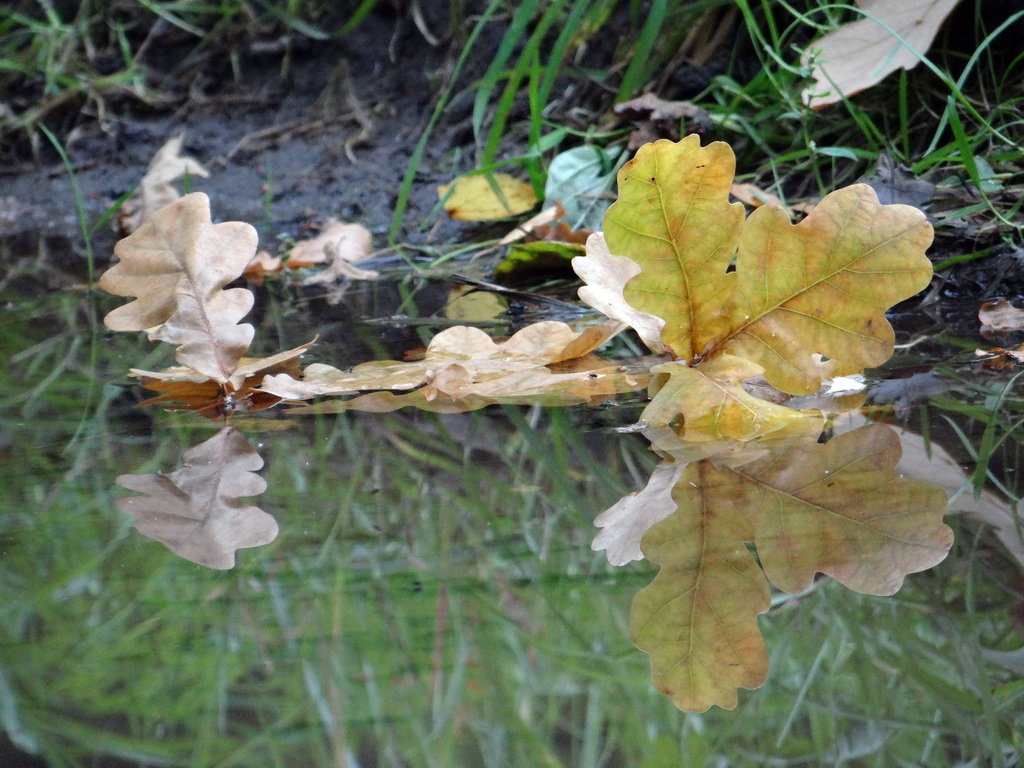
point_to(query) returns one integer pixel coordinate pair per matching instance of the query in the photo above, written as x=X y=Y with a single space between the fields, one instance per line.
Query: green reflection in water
x=431 y=600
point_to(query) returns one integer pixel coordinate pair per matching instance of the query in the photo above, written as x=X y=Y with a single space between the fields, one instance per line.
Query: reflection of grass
x=432 y=601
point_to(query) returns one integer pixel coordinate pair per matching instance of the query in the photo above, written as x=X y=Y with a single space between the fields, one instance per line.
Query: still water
x=427 y=594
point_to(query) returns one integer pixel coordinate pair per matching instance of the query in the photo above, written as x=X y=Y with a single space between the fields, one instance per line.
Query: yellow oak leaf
x=821 y=287
x=673 y=218
x=890 y=35
x=805 y=301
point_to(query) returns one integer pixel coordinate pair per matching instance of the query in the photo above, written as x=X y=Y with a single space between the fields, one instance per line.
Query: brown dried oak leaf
x=176 y=265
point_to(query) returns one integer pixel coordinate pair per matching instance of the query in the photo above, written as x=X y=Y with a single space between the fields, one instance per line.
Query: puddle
x=420 y=589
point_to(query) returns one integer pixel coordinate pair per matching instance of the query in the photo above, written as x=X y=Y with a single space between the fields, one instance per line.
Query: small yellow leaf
x=474 y=198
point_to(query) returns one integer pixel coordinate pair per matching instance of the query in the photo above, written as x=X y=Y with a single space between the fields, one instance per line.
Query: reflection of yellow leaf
x=473 y=198
x=837 y=508
x=859 y=54
x=468 y=304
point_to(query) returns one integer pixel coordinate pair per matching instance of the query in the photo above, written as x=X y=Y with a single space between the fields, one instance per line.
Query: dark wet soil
x=331 y=137
x=327 y=131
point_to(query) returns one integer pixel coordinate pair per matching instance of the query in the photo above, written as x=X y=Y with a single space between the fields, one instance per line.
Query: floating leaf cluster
x=741 y=313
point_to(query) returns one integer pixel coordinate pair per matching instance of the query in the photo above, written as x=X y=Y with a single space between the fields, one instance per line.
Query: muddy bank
x=332 y=137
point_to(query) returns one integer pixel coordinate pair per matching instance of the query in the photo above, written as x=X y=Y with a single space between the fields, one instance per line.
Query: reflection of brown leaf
x=195 y=511
x=837 y=508
x=998 y=358
x=464 y=368
x=177 y=265
x=155 y=191
x=1000 y=315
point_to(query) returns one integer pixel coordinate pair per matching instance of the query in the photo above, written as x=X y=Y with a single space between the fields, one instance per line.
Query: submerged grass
x=431 y=600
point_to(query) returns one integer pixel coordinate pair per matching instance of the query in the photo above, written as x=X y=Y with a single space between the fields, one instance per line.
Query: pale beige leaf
x=1000 y=315
x=195 y=511
x=894 y=34
x=247 y=367
x=544 y=362
x=177 y=265
x=606 y=275
x=156 y=189
x=340 y=246
x=624 y=524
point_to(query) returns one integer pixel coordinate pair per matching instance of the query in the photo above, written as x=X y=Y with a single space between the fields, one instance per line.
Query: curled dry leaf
x=656 y=118
x=340 y=246
x=176 y=265
x=892 y=35
x=195 y=511
x=464 y=368
x=156 y=189
x=605 y=276
x=837 y=508
x=1000 y=315
x=483 y=197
